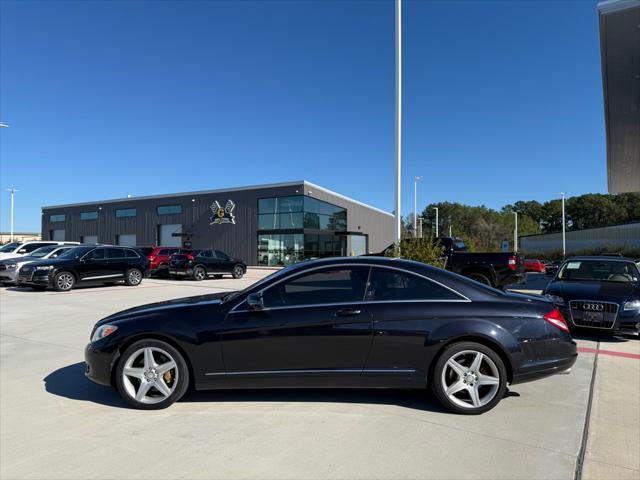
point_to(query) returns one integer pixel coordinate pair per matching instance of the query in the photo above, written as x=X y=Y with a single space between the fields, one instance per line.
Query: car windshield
x=268 y=278
x=43 y=251
x=599 y=271
x=10 y=247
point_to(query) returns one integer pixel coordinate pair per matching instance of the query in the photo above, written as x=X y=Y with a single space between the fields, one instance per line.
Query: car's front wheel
x=151 y=375
x=469 y=378
x=133 y=277
x=64 y=281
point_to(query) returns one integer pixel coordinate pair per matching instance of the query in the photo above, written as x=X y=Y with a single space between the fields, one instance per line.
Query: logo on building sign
x=220 y=215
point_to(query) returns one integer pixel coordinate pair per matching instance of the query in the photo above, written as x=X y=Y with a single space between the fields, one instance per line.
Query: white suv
x=18 y=249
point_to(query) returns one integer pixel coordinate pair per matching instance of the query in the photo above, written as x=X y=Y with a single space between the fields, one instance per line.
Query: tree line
x=484 y=228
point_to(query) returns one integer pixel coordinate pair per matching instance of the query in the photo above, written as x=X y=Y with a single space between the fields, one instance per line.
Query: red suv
x=159 y=259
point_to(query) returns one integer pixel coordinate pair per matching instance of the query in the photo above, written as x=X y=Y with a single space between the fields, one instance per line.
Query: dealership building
x=276 y=224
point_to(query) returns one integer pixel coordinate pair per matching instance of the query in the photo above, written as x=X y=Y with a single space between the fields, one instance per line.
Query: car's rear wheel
x=64 y=281
x=199 y=273
x=151 y=375
x=238 y=271
x=469 y=378
x=479 y=277
x=133 y=277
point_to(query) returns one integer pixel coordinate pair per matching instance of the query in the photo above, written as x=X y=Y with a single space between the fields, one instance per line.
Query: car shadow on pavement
x=70 y=382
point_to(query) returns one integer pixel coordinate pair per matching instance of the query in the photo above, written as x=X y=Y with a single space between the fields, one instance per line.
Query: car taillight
x=555 y=318
x=513 y=264
x=151 y=258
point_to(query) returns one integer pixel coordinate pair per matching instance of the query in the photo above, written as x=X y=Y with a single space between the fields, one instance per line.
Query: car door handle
x=347 y=312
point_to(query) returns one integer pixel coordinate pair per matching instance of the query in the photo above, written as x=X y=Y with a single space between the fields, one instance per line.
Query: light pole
x=564 y=239
x=398 y=117
x=415 y=205
x=13 y=191
x=436 y=209
x=419 y=227
x=515 y=233
x=450 y=231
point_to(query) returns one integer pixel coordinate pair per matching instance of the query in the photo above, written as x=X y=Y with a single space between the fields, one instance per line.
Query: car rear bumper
x=545 y=369
x=183 y=272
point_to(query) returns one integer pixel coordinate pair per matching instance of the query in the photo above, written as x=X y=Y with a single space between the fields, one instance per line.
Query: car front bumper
x=99 y=363
x=9 y=276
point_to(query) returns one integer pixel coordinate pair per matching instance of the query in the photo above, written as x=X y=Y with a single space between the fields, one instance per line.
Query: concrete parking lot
x=56 y=424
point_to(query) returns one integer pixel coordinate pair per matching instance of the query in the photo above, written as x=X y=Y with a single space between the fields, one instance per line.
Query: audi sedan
x=366 y=322
x=599 y=293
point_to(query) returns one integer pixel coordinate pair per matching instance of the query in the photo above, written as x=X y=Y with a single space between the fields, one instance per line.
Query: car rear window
x=145 y=250
x=179 y=256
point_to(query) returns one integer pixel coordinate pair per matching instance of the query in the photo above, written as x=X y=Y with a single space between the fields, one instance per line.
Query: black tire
x=133 y=277
x=217 y=277
x=199 y=273
x=479 y=277
x=180 y=375
x=462 y=400
x=64 y=281
x=238 y=271
x=38 y=288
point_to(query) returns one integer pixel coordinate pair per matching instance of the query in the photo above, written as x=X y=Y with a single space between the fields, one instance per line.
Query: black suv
x=203 y=263
x=88 y=265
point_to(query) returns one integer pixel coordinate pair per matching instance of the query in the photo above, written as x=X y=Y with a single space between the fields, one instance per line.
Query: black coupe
x=598 y=292
x=363 y=322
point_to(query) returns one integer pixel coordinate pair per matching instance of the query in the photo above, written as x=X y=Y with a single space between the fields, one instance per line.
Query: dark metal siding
x=238 y=240
x=379 y=226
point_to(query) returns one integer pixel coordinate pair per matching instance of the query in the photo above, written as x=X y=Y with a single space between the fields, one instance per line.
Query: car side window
x=113 y=253
x=221 y=255
x=128 y=253
x=33 y=246
x=326 y=286
x=394 y=285
x=205 y=254
x=163 y=252
x=96 y=254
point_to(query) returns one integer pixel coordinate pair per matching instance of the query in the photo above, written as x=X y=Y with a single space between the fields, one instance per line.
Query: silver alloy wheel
x=135 y=277
x=199 y=273
x=470 y=379
x=238 y=271
x=148 y=381
x=65 y=281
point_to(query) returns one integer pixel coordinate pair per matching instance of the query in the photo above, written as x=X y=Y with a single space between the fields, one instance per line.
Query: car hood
x=6 y=255
x=51 y=261
x=150 y=308
x=606 y=291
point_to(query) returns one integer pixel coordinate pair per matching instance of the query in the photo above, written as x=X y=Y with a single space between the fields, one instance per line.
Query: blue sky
x=502 y=100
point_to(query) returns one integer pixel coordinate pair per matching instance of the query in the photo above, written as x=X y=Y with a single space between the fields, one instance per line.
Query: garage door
x=57 y=235
x=166 y=235
x=90 y=239
x=127 y=240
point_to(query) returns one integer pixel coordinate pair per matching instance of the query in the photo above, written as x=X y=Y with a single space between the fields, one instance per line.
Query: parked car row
x=65 y=265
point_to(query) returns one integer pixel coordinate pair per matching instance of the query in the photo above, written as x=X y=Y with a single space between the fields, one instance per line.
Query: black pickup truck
x=497 y=269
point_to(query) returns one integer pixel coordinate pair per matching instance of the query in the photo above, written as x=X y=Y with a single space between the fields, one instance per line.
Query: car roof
x=609 y=258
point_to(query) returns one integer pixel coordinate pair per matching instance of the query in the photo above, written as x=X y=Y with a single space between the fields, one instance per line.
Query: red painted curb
x=613 y=353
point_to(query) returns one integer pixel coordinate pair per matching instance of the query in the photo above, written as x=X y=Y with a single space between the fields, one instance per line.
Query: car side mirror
x=255 y=301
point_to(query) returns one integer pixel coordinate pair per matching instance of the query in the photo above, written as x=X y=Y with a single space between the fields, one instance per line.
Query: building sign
x=221 y=215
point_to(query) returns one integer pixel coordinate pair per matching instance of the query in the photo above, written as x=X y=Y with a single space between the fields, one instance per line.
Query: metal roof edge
x=344 y=197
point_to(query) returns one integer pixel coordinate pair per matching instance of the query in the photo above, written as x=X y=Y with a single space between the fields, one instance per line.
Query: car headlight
x=555 y=299
x=103 y=331
x=44 y=267
x=11 y=266
x=632 y=305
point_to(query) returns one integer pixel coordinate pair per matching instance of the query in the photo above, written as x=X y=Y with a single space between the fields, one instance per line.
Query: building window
x=280 y=249
x=169 y=209
x=88 y=215
x=300 y=212
x=57 y=218
x=125 y=212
